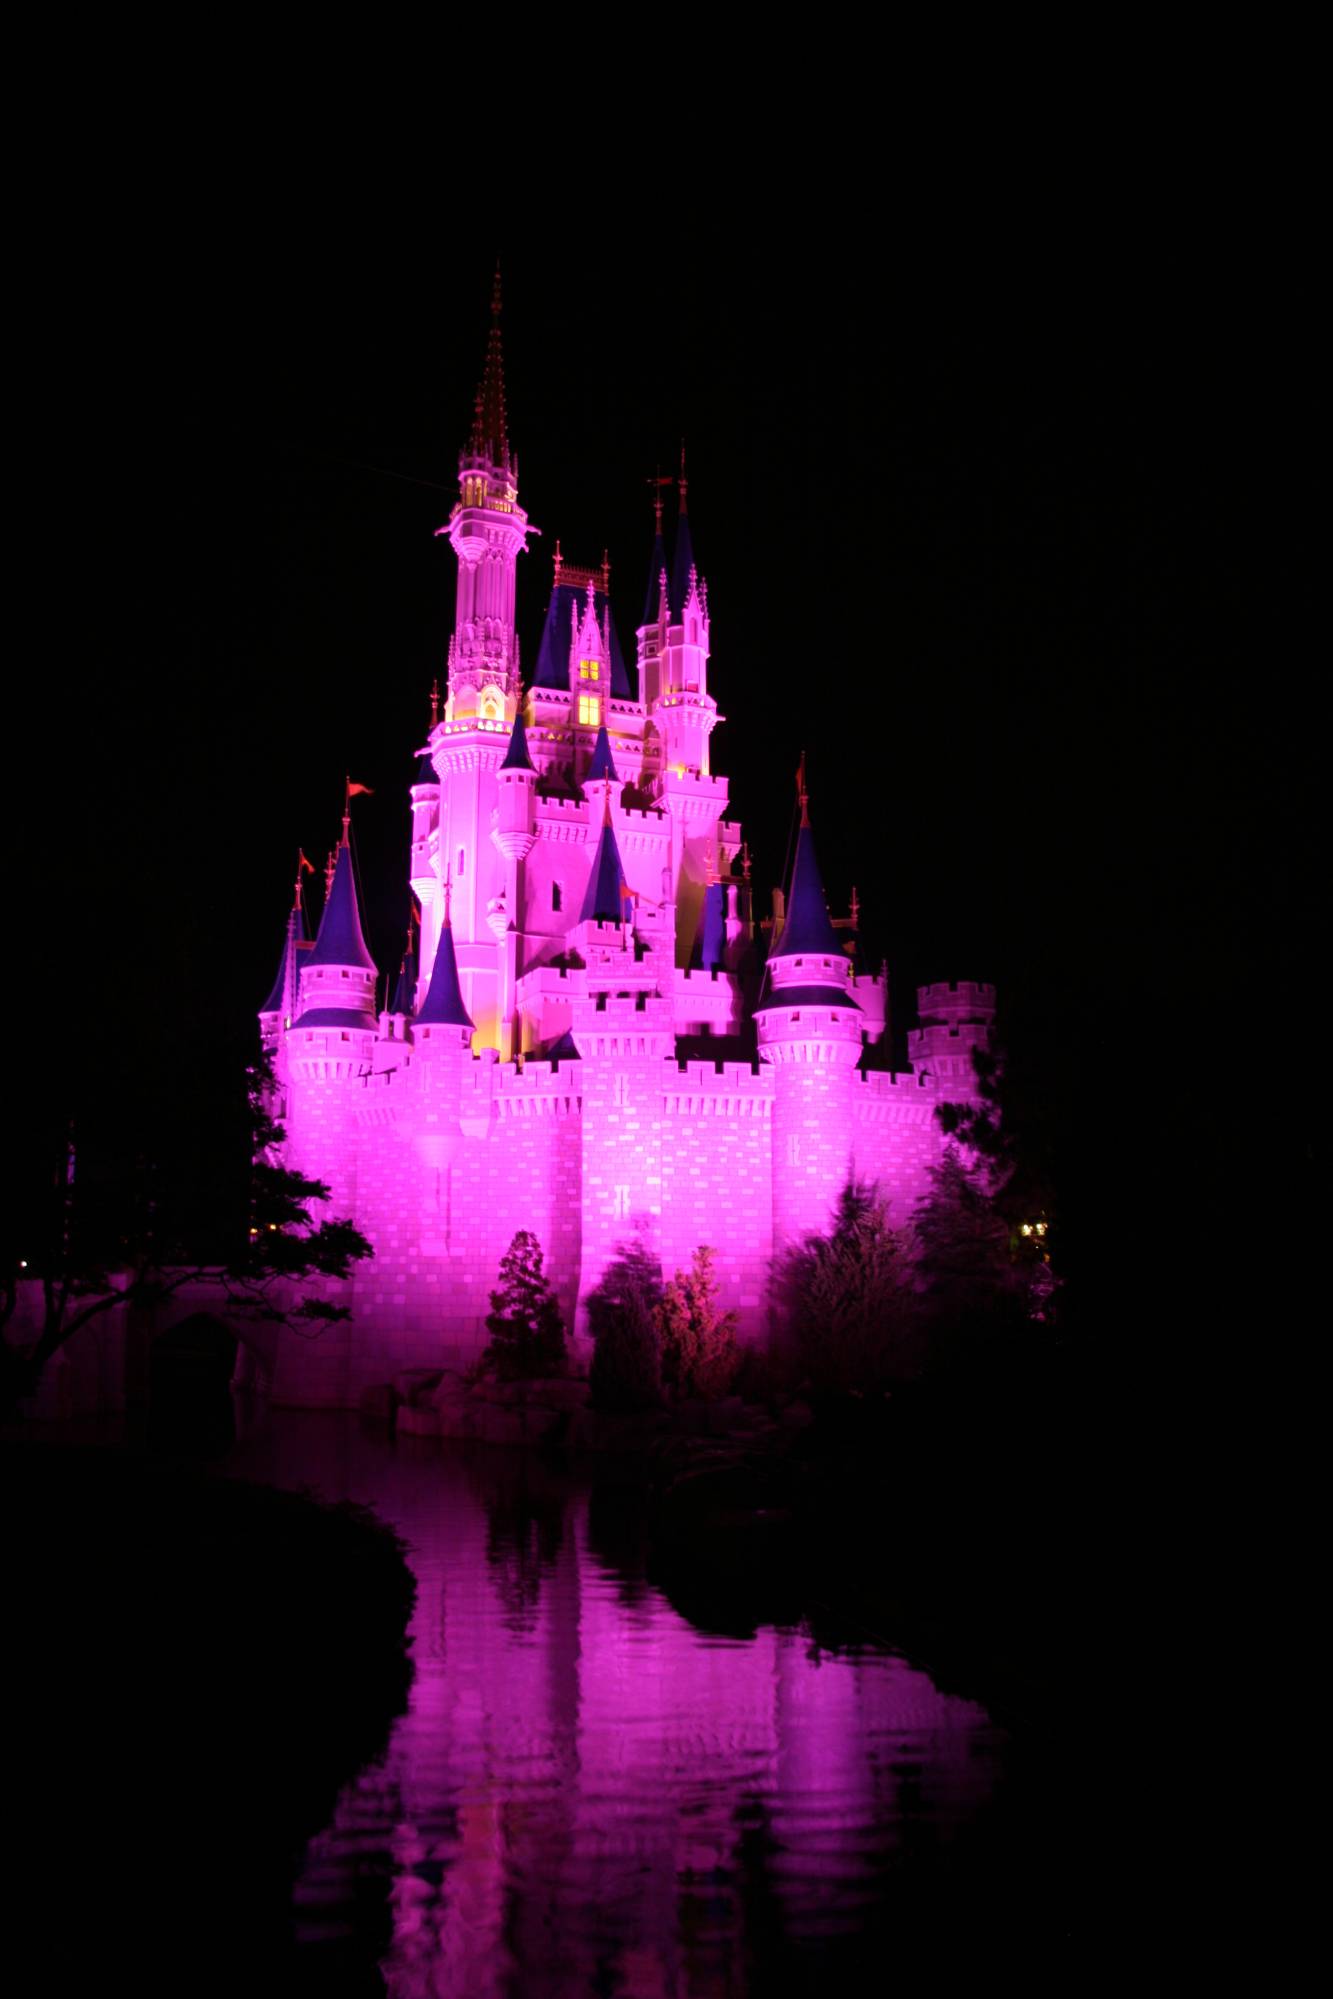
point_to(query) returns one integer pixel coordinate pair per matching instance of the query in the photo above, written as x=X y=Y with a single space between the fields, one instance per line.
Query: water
x=590 y=1793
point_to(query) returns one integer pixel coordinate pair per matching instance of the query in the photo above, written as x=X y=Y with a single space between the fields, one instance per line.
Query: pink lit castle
x=593 y=1039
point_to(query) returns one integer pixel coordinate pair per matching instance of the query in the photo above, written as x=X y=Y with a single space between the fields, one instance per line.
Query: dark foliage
x=88 y=1263
x=847 y=1301
x=626 y=1370
x=527 y=1333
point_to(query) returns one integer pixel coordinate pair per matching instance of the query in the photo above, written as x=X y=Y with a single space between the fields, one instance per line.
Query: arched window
x=556 y=897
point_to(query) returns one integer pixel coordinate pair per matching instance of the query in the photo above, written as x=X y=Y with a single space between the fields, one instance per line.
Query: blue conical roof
x=443 y=1005
x=277 y=999
x=553 y=651
x=340 y=940
x=653 y=594
x=603 y=763
x=682 y=563
x=564 y=1050
x=516 y=756
x=602 y=901
x=425 y=772
x=807 y=927
x=713 y=930
x=407 y=984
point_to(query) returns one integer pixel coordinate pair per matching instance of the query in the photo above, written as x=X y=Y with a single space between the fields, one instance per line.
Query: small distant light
x=272 y=1228
x=1041 y=1228
x=23 y=1263
x=1027 y=1228
x=254 y=1231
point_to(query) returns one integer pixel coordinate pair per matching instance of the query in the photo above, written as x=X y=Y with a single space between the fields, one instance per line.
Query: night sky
x=944 y=507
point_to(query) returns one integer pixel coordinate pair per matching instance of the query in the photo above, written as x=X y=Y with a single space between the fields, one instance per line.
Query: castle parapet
x=953 y=1001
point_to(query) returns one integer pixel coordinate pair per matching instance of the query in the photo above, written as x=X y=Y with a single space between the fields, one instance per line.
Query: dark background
x=955 y=504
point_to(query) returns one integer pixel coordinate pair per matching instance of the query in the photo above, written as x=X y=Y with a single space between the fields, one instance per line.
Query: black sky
x=945 y=503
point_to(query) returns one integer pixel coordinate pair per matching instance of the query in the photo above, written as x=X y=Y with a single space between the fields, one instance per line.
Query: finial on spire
x=606 y=574
x=490 y=436
x=329 y=866
x=802 y=794
x=856 y=909
x=435 y=701
x=745 y=860
x=683 y=482
x=448 y=890
x=559 y=560
x=303 y=867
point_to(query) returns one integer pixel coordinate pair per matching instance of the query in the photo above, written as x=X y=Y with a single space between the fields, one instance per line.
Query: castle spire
x=443 y=1005
x=808 y=928
x=604 y=897
x=682 y=566
x=658 y=562
x=603 y=765
x=516 y=756
x=490 y=433
x=341 y=940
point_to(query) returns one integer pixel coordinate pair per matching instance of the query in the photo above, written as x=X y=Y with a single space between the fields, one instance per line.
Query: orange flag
x=353 y=790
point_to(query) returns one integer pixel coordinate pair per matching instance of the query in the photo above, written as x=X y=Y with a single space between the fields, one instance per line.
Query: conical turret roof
x=443 y=1005
x=341 y=940
x=602 y=898
x=516 y=756
x=407 y=984
x=277 y=999
x=603 y=763
x=807 y=927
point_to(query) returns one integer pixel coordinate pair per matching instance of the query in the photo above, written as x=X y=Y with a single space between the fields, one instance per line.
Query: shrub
x=527 y=1333
x=848 y=1299
x=626 y=1366
x=699 y=1352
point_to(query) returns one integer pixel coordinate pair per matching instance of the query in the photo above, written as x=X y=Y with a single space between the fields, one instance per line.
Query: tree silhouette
x=85 y=1269
x=527 y=1334
x=699 y=1352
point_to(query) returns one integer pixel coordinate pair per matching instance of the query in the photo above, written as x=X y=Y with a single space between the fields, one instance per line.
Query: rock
x=796 y=1416
x=377 y=1404
x=493 y=1423
x=559 y=1392
x=450 y=1391
x=414 y=1422
x=416 y=1385
x=726 y=1416
x=603 y=1430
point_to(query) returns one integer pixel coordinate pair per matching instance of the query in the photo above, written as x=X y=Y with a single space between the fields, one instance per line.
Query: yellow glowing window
x=590 y=669
x=589 y=711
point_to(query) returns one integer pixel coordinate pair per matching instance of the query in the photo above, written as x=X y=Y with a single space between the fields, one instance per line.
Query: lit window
x=590 y=711
x=590 y=669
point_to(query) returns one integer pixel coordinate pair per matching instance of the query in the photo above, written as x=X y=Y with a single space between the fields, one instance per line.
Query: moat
x=591 y=1791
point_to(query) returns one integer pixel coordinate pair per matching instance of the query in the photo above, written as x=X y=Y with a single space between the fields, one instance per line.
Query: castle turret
x=488 y=532
x=339 y=978
x=514 y=834
x=810 y=1029
x=956 y=1019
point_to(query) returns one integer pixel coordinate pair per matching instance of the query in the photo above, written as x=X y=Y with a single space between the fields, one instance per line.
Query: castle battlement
x=502 y=1090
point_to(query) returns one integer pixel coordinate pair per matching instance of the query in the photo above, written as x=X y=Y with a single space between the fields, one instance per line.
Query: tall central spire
x=490 y=430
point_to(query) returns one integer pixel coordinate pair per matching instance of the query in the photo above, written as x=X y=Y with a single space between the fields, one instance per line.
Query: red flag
x=354 y=789
x=309 y=866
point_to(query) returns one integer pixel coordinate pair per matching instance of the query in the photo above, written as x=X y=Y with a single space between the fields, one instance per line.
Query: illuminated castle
x=586 y=933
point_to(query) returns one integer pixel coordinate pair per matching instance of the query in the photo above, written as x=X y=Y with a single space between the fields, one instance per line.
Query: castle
x=592 y=1038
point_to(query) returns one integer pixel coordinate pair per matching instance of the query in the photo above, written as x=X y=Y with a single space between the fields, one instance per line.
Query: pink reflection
x=595 y=1790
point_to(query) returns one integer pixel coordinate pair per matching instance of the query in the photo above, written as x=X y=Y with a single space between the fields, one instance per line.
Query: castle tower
x=330 y=1044
x=488 y=532
x=279 y=1009
x=682 y=715
x=622 y=1027
x=956 y=1018
x=514 y=835
x=809 y=1024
